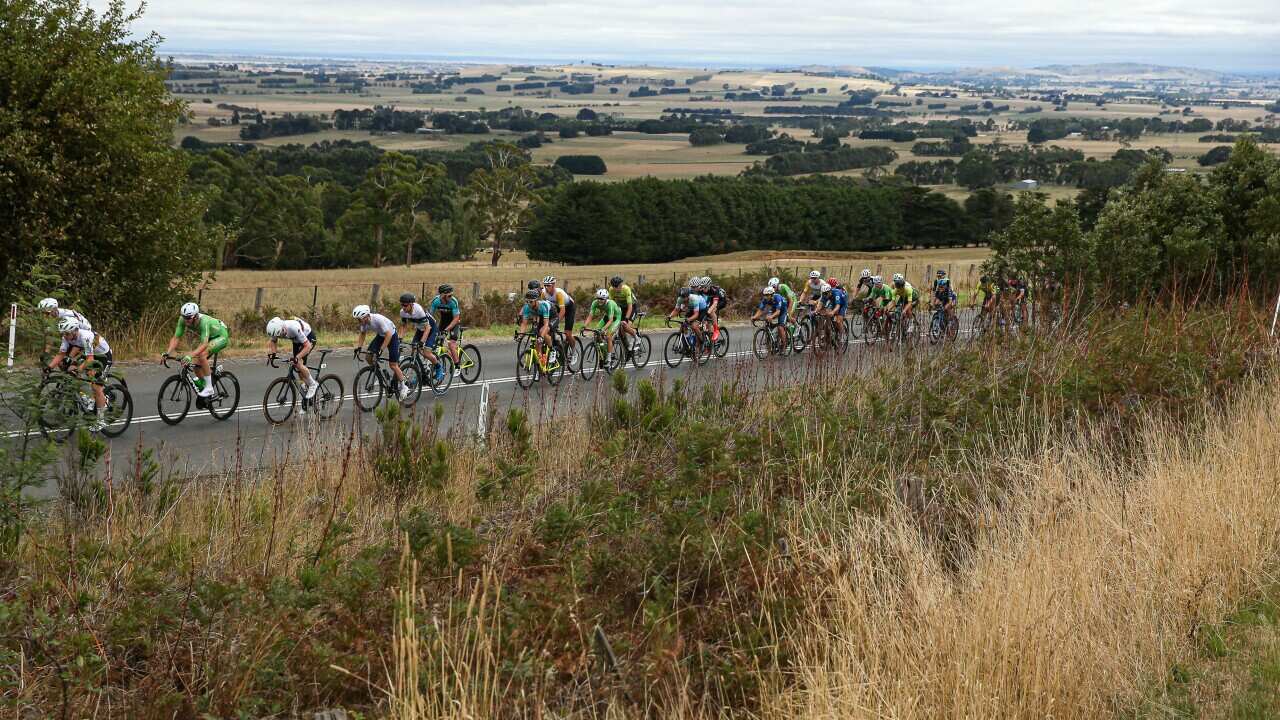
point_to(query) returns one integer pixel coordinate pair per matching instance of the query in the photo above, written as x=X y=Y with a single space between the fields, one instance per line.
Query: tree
x=389 y=199
x=1215 y=156
x=587 y=114
x=87 y=170
x=704 y=136
x=976 y=170
x=1044 y=241
x=582 y=164
x=503 y=194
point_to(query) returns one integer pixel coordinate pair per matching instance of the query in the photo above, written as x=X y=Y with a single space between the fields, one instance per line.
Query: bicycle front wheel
x=119 y=409
x=673 y=353
x=328 y=399
x=174 y=401
x=761 y=343
x=556 y=366
x=441 y=386
x=590 y=361
x=720 y=347
x=58 y=409
x=280 y=400
x=469 y=363
x=640 y=350
x=526 y=368
x=366 y=390
x=226 y=396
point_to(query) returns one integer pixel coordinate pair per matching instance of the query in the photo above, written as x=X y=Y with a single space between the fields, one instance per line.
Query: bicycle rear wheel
x=556 y=367
x=328 y=399
x=469 y=363
x=720 y=347
x=174 y=400
x=280 y=400
x=226 y=396
x=702 y=350
x=441 y=386
x=413 y=380
x=366 y=390
x=590 y=361
x=640 y=351
x=119 y=410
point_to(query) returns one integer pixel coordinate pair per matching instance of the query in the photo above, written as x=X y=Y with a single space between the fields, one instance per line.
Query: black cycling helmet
x=900 y=281
x=616 y=280
x=407 y=298
x=684 y=292
x=531 y=294
x=942 y=272
x=535 y=285
x=445 y=289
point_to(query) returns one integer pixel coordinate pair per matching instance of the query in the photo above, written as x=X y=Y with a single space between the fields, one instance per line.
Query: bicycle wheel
x=280 y=400
x=701 y=350
x=413 y=379
x=803 y=334
x=119 y=410
x=526 y=368
x=366 y=390
x=673 y=352
x=441 y=386
x=469 y=363
x=571 y=355
x=855 y=328
x=590 y=361
x=762 y=343
x=328 y=399
x=937 y=326
x=721 y=346
x=226 y=396
x=640 y=351
x=953 y=329
x=174 y=401
x=59 y=409
x=842 y=338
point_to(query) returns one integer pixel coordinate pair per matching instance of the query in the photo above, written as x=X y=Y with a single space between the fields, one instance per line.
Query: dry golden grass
x=1084 y=586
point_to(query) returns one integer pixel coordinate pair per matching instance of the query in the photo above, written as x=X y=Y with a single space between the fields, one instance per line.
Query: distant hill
x=1099 y=72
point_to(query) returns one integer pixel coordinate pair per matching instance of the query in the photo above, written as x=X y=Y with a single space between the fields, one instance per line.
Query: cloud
x=1244 y=34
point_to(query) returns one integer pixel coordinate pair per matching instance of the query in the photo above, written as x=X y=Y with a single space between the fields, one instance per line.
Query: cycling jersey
x=209 y=327
x=447 y=310
x=773 y=302
x=906 y=294
x=989 y=290
x=297 y=330
x=717 y=293
x=416 y=316
x=944 y=295
x=867 y=284
x=379 y=324
x=696 y=303
x=609 y=313
x=838 y=300
x=84 y=339
x=539 y=310
x=82 y=321
x=884 y=294
x=815 y=291
x=788 y=293
x=559 y=298
x=622 y=295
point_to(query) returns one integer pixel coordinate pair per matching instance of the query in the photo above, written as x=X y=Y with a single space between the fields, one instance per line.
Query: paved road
x=201 y=444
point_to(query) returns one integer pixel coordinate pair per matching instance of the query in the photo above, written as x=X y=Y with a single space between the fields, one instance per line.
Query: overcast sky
x=1237 y=35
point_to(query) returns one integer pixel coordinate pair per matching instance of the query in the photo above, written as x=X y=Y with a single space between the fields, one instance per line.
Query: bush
x=582 y=164
x=1215 y=156
x=705 y=136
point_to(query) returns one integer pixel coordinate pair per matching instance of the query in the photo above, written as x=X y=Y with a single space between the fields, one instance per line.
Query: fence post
x=484 y=411
x=257 y=301
x=475 y=291
x=968 y=278
x=315 y=294
x=1274 y=317
x=878 y=270
x=200 y=297
x=373 y=296
x=823 y=270
x=928 y=273
x=13 y=329
x=639 y=280
x=423 y=294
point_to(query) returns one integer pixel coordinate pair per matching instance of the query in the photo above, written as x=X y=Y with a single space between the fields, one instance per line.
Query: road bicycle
x=686 y=342
x=437 y=376
x=376 y=381
x=596 y=355
x=899 y=329
x=66 y=402
x=829 y=335
x=943 y=326
x=468 y=363
x=281 y=398
x=636 y=349
x=530 y=366
x=803 y=321
x=768 y=339
x=176 y=393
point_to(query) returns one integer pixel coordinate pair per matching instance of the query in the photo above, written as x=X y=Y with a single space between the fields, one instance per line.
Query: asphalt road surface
x=201 y=444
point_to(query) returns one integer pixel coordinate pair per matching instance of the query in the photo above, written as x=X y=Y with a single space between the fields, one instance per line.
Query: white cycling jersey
x=84 y=341
x=379 y=324
x=416 y=315
x=296 y=330
x=81 y=320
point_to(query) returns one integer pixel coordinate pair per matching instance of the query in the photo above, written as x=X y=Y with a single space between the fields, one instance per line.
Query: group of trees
x=1160 y=231
x=651 y=220
x=986 y=165
x=824 y=158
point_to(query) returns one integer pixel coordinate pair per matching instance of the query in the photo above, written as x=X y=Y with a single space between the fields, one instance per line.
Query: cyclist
x=49 y=306
x=905 y=296
x=563 y=307
x=1017 y=296
x=773 y=306
x=881 y=293
x=214 y=338
x=814 y=288
x=424 y=324
x=537 y=310
x=835 y=302
x=385 y=336
x=445 y=307
x=694 y=307
x=85 y=344
x=610 y=315
x=944 y=296
x=304 y=341
x=940 y=276
x=866 y=283
x=990 y=294
x=621 y=294
x=781 y=287
x=717 y=298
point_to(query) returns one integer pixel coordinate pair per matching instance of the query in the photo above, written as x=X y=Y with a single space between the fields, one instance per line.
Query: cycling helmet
x=534 y=285
x=190 y=310
x=897 y=277
x=615 y=281
x=899 y=281
x=833 y=282
x=602 y=294
x=531 y=295
x=825 y=288
x=684 y=292
x=275 y=326
x=768 y=290
x=549 y=280
x=942 y=272
x=773 y=282
x=407 y=298
x=866 y=273
x=704 y=282
x=68 y=325
x=48 y=304
x=360 y=312
x=877 y=280
x=445 y=289
x=815 y=275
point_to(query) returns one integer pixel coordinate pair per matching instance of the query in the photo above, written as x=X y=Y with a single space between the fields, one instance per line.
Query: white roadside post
x=13 y=330
x=1275 y=315
x=484 y=410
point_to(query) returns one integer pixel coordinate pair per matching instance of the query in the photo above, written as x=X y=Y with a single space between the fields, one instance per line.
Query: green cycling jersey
x=622 y=295
x=208 y=326
x=882 y=293
x=609 y=313
x=790 y=294
x=906 y=294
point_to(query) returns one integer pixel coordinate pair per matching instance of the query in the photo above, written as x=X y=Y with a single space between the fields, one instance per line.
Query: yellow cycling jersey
x=559 y=298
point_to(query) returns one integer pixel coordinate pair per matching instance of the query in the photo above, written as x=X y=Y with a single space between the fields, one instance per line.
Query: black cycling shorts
x=570 y=310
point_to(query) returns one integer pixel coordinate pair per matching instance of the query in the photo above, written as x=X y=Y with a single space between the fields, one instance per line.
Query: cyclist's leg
x=393 y=357
x=300 y=353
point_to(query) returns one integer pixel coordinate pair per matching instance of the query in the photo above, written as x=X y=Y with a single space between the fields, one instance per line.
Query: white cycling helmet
x=360 y=312
x=68 y=325
x=190 y=310
x=602 y=294
x=48 y=304
x=549 y=280
x=275 y=326
x=877 y=280
x=773 y=282
x=768 y=290
x=825 y=288
x=866 y=273
x=897 y=277
x=815 y=275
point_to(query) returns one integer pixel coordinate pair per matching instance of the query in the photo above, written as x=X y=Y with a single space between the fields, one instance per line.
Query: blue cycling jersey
x=945 y=295
x=540 y=309
x=451 y=307
x=837 y=298
x=696 y=302
x=769 y=303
